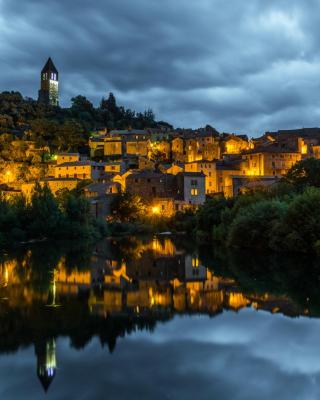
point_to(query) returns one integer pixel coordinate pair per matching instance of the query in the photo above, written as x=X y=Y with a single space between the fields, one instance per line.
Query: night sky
x=241 y=66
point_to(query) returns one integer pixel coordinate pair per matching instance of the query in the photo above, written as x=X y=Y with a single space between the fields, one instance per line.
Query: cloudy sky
x=246 y=356
x=242 y=66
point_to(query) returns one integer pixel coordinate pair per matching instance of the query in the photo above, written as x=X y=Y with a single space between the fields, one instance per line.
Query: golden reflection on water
x=151 y=277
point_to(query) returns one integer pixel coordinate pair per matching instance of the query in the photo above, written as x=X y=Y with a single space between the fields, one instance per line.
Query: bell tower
x=49 y=86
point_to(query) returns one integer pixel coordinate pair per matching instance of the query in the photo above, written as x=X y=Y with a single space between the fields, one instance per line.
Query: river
x=157 y=318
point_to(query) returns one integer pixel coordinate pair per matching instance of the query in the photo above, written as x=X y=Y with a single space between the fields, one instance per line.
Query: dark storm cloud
x=240 y=66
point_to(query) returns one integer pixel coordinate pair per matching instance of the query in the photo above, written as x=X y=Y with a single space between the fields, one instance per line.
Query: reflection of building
x=46 y=361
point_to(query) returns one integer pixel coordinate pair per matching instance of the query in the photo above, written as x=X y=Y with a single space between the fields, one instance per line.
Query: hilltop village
x=169 y=169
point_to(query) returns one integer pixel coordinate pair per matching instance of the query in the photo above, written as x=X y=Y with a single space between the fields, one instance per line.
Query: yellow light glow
x=155 y=210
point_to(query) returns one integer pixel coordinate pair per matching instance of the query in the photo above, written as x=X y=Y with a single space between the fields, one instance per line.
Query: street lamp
x=8 y=174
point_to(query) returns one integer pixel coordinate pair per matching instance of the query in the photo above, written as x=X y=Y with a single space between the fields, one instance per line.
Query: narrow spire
x=49 y=67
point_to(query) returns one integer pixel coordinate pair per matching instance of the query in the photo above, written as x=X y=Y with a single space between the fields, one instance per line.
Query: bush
x=210 y=214
x=253 y=227
x=302 y=221
x=67 y=216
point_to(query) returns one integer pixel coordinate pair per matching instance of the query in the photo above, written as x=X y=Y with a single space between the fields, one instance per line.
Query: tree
x=82 y=108
x=45 y=215
x=253 y=227
x=109 y=104
x=210 y=213
x=127 y=207
x=304 y=173
x=302 y=221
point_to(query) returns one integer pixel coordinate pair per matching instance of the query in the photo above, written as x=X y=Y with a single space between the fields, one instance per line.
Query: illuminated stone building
x=269 y=161
x=171 y=168
x=49 y=87
x=225 y=171
x=100 y=196
x=113 y=147
x=67 y=157
x=81 y=170
x=130 y=145
x=177 y=149
x=55 y=185
x=115 y=167
x=208 y=168
x=191 y=188
x=235 y=144
x=149 y=185
x=160 y=151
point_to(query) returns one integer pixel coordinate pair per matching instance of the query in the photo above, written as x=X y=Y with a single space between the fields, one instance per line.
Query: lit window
x=195 y=262
x=194 y=192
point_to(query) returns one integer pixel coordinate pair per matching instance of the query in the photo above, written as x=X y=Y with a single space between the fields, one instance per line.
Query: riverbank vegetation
x=283 y=218
x=66 y=216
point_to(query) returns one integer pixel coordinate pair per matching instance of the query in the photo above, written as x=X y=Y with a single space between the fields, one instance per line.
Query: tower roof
x=49 y=67
x=46 y=380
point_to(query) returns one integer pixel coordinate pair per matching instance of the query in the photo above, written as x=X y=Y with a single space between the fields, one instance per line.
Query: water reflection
x=120 y=287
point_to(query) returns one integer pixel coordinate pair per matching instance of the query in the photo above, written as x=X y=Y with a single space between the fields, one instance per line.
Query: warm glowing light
x=155 y=210
x=251 y=172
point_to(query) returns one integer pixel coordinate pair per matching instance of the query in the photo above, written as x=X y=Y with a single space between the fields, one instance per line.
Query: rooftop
x=98 y=187
x=68 y=154
x=272 y=148
x=81 y=163
x=129 y=132
x=192 y=174
x=49 y=67
x=59 y=179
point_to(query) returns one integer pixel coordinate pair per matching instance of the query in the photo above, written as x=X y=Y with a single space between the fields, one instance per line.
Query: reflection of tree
x=296 y=277
x=22 y=327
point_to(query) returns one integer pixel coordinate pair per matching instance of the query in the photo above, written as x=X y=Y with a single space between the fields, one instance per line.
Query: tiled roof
x=192 y=174
x=129 y=132
x=49 y=67
x=81 y=163
x=59 y=179
x=68 y=154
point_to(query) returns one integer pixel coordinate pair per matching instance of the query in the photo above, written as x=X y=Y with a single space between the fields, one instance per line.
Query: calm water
x=157 y=319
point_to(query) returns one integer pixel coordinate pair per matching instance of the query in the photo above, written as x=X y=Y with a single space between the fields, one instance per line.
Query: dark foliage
x=47 y=217
x=66 y=128
x=285 y=218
